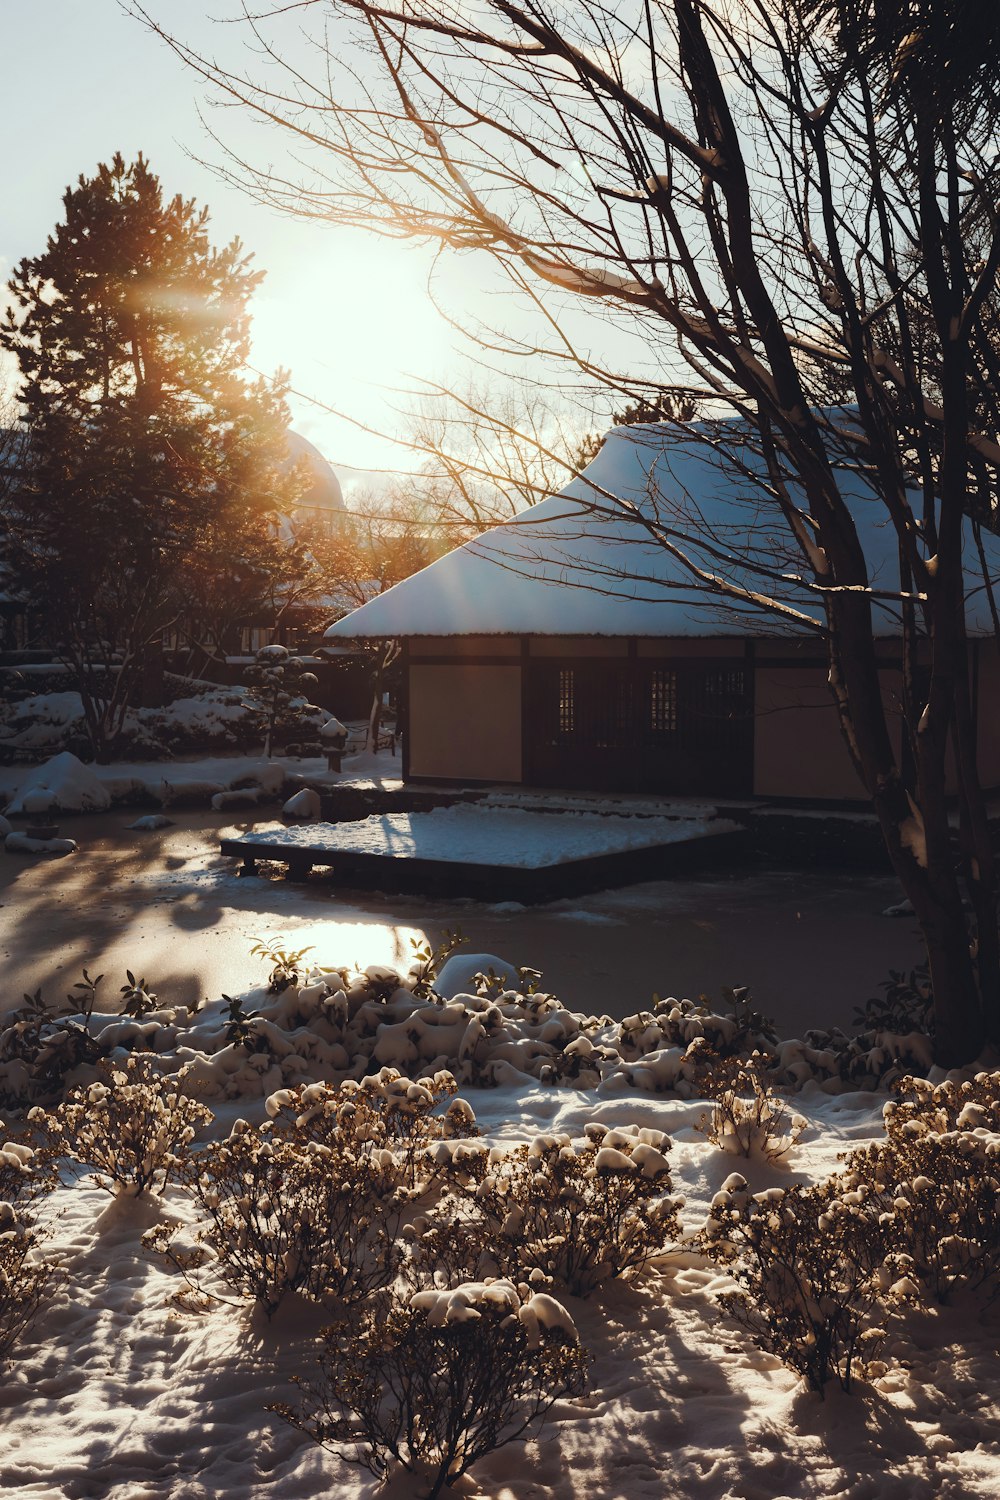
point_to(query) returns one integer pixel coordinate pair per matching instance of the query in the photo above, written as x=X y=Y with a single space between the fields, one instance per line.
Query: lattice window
x=567 y=701
x=663 y=701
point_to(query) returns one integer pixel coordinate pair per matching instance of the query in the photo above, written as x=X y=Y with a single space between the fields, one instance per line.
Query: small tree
x=279 y=682
x=147 y=456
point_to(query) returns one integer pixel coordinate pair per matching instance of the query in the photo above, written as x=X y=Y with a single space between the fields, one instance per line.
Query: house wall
x=988 y=709
x=465 y=708
x=798 y=747
x=464 y=721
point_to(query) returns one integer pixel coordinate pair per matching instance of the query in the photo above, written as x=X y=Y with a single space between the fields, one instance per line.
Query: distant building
x=571 y=647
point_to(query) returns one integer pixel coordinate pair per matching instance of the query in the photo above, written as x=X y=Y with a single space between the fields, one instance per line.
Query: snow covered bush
x=579 y=1211
x=41 y=1047
x=440 y=1380
x=131 y=1124
x=287 y=1215
x=934 y=1186
x=807 y=1262
x=278 y=684
x=384 y=1113
x=747 y=1118
x=25 y=1174
x=25 y=1276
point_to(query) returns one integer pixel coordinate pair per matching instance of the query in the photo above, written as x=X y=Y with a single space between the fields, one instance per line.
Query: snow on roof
x=654 y=491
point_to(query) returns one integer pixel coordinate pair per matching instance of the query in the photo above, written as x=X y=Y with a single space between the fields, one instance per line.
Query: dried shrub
x=25 y=1275
x=807 y=1262
x=383 y=1112
x=436 y=1383
x=132 y=1125
x=934 y=1186
x=24 y=1278
x=579 y=1211
x=292 y=1216
x=747 y=1118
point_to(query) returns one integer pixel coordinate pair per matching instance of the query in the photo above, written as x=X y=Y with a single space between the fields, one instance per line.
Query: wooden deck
x=491 y=882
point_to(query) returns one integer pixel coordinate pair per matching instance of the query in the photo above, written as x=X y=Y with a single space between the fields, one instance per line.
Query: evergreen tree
x=152 y=460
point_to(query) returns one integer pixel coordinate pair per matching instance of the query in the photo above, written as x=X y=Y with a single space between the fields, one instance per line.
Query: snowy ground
x=119 y=1394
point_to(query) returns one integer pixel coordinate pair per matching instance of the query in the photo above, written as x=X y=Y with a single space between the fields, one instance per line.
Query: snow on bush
x=291 y=1214
x=579 y=1212
x=934 y=1186
x=807 y=1262
x=321 y=1024
x=131 y=1125
x=747 y=1118
x=41 y=1048
x=201 y=716
x=25 y=1275
x=383 y=1113
x=438 y=1381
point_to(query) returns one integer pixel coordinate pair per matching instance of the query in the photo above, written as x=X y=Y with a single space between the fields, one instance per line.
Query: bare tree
x=780 y=202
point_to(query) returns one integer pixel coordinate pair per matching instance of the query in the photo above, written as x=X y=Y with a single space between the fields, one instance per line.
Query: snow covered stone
x=458 y=974
x=62 y=784
x=150 y=822
x=305 y=804
x=22 y=843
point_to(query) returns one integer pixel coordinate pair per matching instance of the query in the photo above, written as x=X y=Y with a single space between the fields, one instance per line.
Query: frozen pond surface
x=812 y=944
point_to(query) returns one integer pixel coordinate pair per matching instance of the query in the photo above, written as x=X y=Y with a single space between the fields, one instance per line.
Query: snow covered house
x=572 y=647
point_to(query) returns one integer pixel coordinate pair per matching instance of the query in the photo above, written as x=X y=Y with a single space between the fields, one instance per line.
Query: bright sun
x=354 y=323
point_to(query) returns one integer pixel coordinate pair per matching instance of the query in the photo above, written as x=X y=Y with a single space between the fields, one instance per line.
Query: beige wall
x=465 y=722
x=798 y=747
x=578 y=645
x=690 y=647
x=464 y=645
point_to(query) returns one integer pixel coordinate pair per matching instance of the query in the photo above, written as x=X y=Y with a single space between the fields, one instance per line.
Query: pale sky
x=347 y=313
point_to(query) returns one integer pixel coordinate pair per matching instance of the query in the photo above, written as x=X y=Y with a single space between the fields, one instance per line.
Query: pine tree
x=153 y=460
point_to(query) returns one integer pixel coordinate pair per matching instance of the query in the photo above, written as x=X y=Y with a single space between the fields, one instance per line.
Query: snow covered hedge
x=323 y=1024
x=200 y=716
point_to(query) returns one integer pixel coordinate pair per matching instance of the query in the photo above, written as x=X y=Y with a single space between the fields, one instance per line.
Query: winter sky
x=347 y=313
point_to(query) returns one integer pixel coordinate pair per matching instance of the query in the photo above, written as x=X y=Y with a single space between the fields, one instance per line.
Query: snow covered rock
x=457 y=976
x=150 y=822
x=248 y=796
x=305 y=804
x=62 y=784
x=268 y=778
x=23 y=843
x=5 y=828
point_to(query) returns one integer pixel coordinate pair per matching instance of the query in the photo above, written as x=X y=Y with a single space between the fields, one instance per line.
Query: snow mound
x=150 y=822
x=22 y=843
x=458 y=973
x=62 y=784
x=305 y=804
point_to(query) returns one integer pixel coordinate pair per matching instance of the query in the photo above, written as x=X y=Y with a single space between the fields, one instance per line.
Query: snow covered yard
x=126 y=1387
